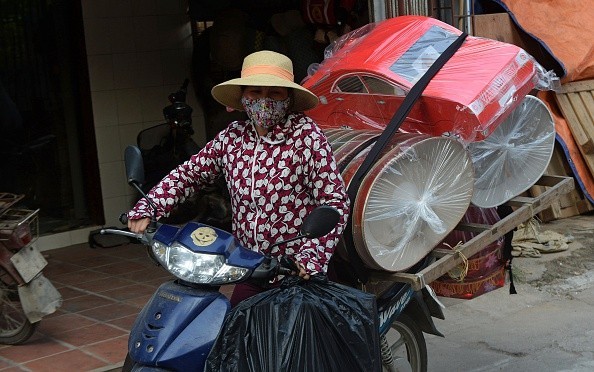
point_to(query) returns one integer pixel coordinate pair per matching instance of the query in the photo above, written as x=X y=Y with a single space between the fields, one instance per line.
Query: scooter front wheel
x=128 y=364
x=15 y=328
x=404 y=347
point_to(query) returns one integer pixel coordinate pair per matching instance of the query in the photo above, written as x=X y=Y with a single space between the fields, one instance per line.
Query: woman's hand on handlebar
x=288 y=266
x=302 y=273
x=139 y=226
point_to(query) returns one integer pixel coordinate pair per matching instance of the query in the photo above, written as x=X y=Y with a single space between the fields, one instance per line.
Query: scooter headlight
x=193 y=267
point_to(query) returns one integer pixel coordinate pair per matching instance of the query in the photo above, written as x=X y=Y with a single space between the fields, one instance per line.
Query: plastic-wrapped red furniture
x=366 y=74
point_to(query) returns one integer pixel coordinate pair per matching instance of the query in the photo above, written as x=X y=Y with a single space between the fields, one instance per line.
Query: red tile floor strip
x=103 y=290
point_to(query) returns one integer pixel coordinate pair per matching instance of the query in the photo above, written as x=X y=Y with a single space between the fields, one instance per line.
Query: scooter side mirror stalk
x=135 y=174
x=152 y=227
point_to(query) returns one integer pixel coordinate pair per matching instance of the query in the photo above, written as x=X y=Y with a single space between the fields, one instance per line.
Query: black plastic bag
x=314 y=325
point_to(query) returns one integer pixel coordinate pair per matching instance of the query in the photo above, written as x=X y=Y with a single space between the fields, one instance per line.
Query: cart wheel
x=407 y=345
x=15 y=328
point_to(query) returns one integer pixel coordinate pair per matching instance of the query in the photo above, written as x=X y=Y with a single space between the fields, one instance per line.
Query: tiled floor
x=103 y=291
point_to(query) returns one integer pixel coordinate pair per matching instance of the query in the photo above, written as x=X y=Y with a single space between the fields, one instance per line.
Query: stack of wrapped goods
x=474 y=136
x=571 y=104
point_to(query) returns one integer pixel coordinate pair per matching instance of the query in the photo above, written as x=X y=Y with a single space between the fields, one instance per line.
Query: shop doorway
x=47 y=149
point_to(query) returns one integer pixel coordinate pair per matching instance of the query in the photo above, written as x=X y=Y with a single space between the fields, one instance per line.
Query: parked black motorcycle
x=164 y=147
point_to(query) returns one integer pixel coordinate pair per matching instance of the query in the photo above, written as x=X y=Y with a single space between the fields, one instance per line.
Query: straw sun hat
x=264 y=68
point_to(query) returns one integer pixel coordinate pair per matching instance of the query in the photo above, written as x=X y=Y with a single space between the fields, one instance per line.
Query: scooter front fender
x=177 y=327
x=421 y=309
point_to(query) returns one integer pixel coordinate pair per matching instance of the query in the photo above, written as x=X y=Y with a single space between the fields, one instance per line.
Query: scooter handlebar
x=288 y=264
x=150 y=228
x=129 y=234
x=272 y=267
x=285 y=271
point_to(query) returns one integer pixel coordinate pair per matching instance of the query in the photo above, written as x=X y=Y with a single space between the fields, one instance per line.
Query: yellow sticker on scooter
x=204 y=236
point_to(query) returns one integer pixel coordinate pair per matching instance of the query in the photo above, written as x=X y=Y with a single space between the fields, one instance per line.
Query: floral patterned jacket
x=274 y=182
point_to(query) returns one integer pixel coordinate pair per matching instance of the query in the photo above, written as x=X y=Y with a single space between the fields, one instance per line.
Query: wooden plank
x=571 y=204
x=577 y=86
x=478 y=242
x=518 y=201
x=588 y=100
x=569 y=200
x=576 y=101
x=497 y=26
x=559 y=166
x=581 y=111
x=440 y=252
x=566 y=205
x=549 y=180
x=585 y=143
x=472 y=227
x=589 y=160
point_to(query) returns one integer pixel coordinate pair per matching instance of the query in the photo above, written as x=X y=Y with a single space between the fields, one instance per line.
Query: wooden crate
x=576 y=102
x=497 y=26
x=501 y=27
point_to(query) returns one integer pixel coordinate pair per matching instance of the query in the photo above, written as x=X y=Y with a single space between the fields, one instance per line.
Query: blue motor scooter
x=178 y=326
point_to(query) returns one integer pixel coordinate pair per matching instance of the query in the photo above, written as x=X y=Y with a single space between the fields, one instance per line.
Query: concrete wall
x=138 y=52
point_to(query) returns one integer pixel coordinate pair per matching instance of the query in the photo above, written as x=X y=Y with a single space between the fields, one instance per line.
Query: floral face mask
x=266 y=112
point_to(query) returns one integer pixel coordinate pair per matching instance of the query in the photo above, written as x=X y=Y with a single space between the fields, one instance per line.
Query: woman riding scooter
x=278 y=166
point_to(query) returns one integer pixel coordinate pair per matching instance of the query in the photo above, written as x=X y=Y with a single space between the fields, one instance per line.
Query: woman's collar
x=279 y=133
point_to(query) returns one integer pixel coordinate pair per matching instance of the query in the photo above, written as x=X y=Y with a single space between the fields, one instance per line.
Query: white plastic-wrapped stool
x=412 y=197
x=514 y=156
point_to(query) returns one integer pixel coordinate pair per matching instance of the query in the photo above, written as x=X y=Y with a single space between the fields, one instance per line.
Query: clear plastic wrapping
x=368 y=72
x=514 y=156
x=487 y=260
x=474 y=135
x=345 y=152
x=413 y=196
x=420 y=187
x=484 y=271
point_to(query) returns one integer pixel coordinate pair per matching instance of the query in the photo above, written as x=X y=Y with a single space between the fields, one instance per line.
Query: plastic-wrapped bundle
x=351 y=143
x=413 y=196
x=485 y=270
x=346 y=149
x=367 y=73
x=514 y=156
x=313 y=325
x=470 y=289
x=485 y=261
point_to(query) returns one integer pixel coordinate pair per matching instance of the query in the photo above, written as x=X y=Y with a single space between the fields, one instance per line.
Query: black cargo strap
x=360 y=271
x=503 y=211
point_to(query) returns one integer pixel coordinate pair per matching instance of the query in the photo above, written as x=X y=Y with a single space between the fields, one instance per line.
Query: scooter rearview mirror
x=320 y=221
x=134 y=165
